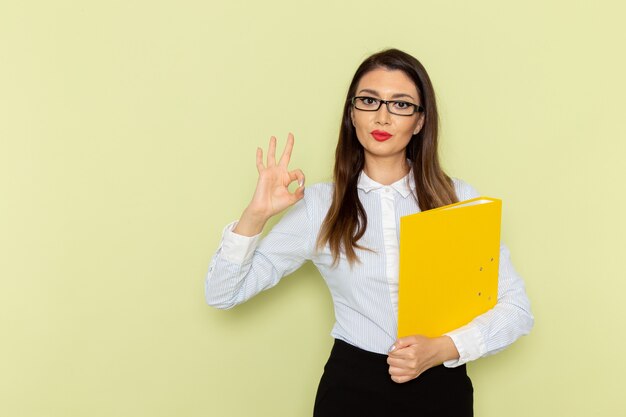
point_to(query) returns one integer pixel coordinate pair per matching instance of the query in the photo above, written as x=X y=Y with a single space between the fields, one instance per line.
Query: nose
x=383 y=115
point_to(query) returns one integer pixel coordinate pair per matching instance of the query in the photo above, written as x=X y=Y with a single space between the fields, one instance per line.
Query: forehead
x=387 y=83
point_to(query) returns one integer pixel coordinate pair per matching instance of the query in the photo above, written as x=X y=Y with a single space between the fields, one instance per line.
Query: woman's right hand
x=272 y=193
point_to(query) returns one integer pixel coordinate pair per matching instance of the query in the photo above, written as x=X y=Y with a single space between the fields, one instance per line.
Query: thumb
x=403 y=342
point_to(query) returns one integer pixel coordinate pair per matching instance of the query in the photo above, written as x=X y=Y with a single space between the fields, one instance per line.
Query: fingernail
x=301 y=183
x=392 y=348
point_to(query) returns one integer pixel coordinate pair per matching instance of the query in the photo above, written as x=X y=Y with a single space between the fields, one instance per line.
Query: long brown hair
x=346 y=220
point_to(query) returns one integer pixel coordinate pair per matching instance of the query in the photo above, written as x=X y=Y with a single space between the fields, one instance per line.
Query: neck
x=386 y=170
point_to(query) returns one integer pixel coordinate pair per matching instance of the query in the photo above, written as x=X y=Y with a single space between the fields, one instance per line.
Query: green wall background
x=128 y=132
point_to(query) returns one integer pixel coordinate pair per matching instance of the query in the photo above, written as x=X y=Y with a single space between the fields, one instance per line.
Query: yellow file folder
x=448 y=266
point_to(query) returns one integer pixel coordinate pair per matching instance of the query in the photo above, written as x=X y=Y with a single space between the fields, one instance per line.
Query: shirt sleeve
x=510 y=319
x=243 y=266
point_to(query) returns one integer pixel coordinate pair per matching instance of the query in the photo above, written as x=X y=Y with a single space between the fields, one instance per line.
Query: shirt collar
x=404 y=185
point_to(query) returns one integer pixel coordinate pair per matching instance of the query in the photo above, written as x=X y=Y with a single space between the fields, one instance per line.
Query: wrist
x=446 y=349
x=250 y=223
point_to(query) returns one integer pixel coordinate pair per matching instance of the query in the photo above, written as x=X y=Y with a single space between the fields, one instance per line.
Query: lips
x=380 y=135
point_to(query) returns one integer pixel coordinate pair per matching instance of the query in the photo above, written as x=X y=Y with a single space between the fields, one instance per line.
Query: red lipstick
x=380 y=135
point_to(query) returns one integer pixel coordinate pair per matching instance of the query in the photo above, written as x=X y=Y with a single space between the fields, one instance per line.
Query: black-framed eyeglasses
x=401 y=108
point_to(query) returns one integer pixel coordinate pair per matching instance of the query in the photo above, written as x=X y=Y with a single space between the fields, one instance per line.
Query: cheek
x=411 y=127
x=406 y=128
x=361 y=123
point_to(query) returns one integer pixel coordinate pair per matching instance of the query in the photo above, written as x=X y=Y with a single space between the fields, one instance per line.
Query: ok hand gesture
x=272 y=193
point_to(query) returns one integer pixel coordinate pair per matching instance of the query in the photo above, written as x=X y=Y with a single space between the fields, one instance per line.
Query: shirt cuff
x=237 y=249
x=470 y=344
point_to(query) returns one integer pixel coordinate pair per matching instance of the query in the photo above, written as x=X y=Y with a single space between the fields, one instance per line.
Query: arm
x=496 y=329
x=242 y=266
x=487 y=334
x=511 y=317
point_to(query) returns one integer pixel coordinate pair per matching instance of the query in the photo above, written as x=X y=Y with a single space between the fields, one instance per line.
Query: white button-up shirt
x=365 y=295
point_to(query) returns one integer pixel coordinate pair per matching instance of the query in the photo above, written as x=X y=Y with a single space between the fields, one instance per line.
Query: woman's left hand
x=410 y=356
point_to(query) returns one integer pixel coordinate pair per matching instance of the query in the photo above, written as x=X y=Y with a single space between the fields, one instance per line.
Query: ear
x=420 y=124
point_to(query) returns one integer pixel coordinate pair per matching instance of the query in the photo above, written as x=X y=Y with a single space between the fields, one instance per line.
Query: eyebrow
x=374 y=92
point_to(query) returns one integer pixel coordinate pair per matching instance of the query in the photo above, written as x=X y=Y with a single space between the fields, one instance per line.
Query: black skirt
x=357 y=383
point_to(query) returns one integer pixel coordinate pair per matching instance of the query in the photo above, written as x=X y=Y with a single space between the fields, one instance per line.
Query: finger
x=271 y=153
x=284 y=159
x=298 y=175
x=404 y=342
x=402 y=379
x=397 y=380
x=397 y=362
x=406 y=353
x=259 y=160
x=395 y=371
x=400 y=352
x=299 y=193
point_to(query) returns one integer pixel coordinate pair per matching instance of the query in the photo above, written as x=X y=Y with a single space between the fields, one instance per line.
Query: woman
x=386 y=166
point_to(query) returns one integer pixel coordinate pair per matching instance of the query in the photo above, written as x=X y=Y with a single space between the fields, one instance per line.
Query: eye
x=401 y=105
x=369 y=101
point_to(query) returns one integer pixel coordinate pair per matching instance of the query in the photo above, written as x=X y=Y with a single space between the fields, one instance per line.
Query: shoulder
x=317 y=198
x=464 y=191
x=316 y=201
x=321 y=192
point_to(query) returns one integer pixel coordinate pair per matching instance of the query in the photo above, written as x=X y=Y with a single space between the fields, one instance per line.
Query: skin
x=385 y=163
x=271 y=195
